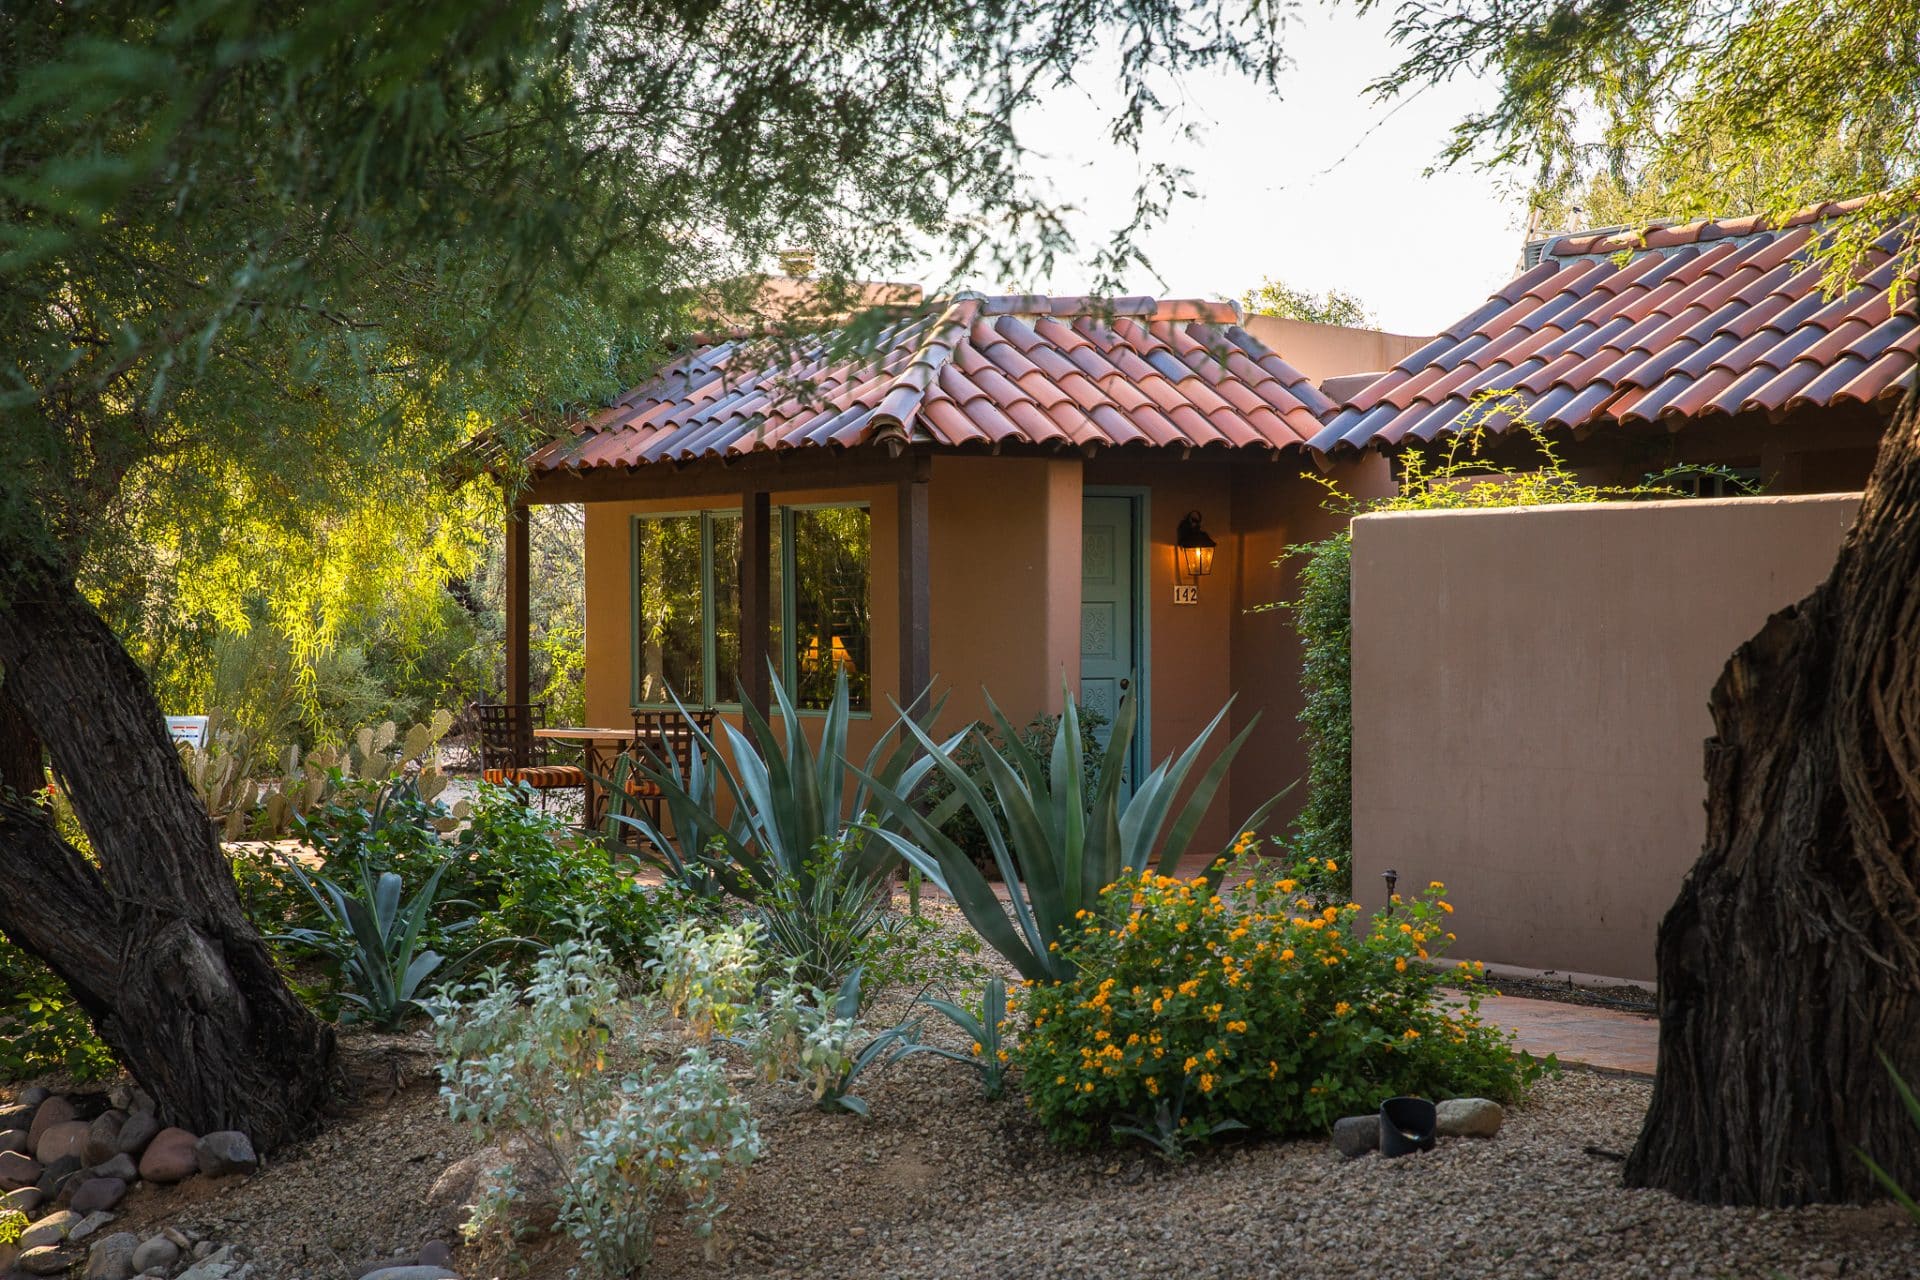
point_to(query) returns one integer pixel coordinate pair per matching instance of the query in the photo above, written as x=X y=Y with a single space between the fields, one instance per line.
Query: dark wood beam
x=756 y=605
x=774 y=472
x=916 y=588
x=519 y=614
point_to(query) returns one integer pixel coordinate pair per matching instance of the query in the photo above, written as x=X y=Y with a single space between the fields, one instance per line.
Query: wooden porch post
x=519 y=614
x=756 y=610
x=915 y=588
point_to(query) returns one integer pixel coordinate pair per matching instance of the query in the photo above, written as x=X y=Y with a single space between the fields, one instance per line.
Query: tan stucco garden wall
x=1530 y=703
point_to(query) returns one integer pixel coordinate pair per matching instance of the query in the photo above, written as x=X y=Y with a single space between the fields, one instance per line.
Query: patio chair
x=510 y=753
x=668 y=737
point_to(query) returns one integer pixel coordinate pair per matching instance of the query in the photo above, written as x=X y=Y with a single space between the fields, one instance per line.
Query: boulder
x=35 y=1096
x=13 y=1139
x=95 y=1194
x=53 y=1111
x=47 y=1260
x=100 y=1136
x=111 y=1257
x=51 y=1229
x=135 y=1134
x=58 y=1141
x=414 y=1271
x=121 y=1167
x=157 y=1252
x=142 y=1103
x=1357 y=1135
x=224 y=1152
x=537 y=1182
x=170 y=1157
x=18 y=1169
x=15 y=1115
x=434 y=1253
x=24 y=1200
x=1469 y=1118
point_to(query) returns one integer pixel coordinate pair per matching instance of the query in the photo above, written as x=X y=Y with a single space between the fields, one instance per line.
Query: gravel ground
x=941 y=1184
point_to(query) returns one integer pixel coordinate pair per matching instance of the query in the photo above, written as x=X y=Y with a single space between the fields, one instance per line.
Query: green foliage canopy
x=265 y=268
x=1278 y=298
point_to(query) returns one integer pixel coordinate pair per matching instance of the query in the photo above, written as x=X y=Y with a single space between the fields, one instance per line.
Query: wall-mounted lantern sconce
x=1192 y=548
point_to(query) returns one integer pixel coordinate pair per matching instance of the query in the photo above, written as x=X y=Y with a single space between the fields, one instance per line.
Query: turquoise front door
x=1109 y=615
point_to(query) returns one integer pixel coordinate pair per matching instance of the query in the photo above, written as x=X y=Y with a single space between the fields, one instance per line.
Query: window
x=686 y=606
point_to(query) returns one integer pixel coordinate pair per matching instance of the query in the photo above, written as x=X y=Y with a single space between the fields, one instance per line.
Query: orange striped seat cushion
x=540 y=777
x=638 y=785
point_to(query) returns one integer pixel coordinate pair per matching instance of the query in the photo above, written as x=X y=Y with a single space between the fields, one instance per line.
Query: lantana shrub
x=1261 y=1006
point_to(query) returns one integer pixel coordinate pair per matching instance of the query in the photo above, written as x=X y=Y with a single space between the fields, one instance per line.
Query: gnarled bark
x=152 y=940
x=1792 y=958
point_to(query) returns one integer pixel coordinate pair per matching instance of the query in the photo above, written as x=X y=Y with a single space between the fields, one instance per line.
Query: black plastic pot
x=1407 y=1125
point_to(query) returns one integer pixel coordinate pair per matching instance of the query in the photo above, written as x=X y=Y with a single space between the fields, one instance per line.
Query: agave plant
x=379 y=941
x=1055 y=846
x=984 y=1027
x=788 y=801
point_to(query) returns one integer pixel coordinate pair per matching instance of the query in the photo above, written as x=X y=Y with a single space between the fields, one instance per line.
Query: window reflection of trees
x=670 y=624
x=831 y=555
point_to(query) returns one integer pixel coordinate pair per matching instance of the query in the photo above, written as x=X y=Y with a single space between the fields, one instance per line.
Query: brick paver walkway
x=1599 y=1039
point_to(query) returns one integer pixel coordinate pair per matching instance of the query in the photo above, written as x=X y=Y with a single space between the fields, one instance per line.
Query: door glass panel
x=726 y=606
x=831 y=626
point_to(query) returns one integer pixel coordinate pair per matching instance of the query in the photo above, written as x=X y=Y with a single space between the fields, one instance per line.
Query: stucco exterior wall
x=1530 y=703
x=1323 y=351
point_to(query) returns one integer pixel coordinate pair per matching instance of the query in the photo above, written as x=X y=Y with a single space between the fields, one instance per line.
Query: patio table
x=598 y=750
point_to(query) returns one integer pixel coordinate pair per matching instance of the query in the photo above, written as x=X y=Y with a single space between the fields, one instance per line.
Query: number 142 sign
x=1186 y=593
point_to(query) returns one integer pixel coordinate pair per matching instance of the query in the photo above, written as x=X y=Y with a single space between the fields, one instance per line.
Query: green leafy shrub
x=800 y=1033
x=1058 y=846
x=1258 y=1006
x=43 y=1030
x=708 y=973
x=527 y=1067
x=13 y=1224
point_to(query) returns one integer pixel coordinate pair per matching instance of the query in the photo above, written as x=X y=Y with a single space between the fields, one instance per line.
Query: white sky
x=1320 y=187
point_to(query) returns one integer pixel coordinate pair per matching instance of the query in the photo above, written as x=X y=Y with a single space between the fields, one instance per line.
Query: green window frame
x=810 y=591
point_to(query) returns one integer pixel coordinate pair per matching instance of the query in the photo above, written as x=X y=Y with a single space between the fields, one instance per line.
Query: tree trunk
x=153 y=941
x=21 y=768
x=1791 y=960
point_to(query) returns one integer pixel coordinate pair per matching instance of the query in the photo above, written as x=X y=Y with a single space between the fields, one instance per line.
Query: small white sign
x=191 y=730
x=1186 y=593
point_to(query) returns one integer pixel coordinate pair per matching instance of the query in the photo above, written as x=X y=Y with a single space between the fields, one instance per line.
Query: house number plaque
x=1186 y=593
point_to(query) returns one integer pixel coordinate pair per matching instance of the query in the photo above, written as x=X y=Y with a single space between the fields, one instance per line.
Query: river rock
x=54 y=1177
x=414 y=1271
x=224 y=1152
x=121 y=1167
x=35 y=1096
x=13 y=1139
x=58 y=1141
x=434 y=1253
x=157 y=1252
x=111 y=1257
x=100 y=1136
x=1469 y=1118
x=24 y=1200
x=53 y=1111
x=96 y=1194
x=51 y=1229
x=15 y=1115
x=170 y=1157
x=1357 y=1135
x=217 y=1265
x=135 y=1134
x=47 y=1260
x=18 y=1169
x=90 y=1224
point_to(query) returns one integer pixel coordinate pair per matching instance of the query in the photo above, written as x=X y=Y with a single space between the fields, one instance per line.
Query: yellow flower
x=1436 y=886
x=1237 y=1026
x=1406 y=928
x=1342 y=1009
x=1153 y=1086
x=1287 y=954
x=1059 y=1079
x=1206 y=1084
x=1412 y=1034
x=1286 y=886
x=976 y=1048
x=1332 y=865
x=1003 y=1055
x=1447 y=907
x=1399 y=964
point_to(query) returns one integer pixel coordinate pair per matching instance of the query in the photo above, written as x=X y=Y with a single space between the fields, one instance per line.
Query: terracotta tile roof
x=978 y=371
x=1709 y=318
